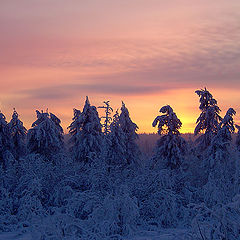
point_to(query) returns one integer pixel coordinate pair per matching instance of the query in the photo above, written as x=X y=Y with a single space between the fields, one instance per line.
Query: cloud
x=72 y=90
x=209 y=53
x=209 y=56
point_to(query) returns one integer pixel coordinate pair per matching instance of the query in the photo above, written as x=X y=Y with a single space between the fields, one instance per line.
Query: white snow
x=170 y=234
x=14 y=236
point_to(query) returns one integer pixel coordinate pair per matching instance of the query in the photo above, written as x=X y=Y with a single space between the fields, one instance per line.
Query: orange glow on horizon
x=142 y=109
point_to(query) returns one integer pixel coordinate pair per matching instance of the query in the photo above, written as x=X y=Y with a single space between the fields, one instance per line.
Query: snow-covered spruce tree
x=171 y=147
x=6 y=146
x=129 y=129
x=208 y=121
x=86 y=131
x=107 y=118
x=207 y=127
x=238 y=137
x=116 y=155
x=75 y=127
x=220 y=186
x=46 y=135
x=222 y=140
x=18 y=133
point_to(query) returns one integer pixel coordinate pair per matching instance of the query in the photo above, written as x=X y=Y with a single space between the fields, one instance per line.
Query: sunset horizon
x=188 y=123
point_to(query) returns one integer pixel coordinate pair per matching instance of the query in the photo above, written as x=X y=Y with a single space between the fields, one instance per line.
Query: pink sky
x=147 y=53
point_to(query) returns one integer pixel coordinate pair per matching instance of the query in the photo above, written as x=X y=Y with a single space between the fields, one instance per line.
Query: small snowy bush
x=222 y=222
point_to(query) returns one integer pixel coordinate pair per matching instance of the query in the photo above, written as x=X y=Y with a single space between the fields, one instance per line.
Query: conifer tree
x=6 y=145
x=208 y=120
x=238 y=137
x=4 y=133
x=223 y=138
x=116 y=149
x=171 y=147
x=221 y=166
x=86 y=131
x=75 y=127
x=18 y=134
x=46 y=135
x=129 y=129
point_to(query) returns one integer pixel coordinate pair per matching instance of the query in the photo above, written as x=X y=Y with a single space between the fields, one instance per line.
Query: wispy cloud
x=72 y=90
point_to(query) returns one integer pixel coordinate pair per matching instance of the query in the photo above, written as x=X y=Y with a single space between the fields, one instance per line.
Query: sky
x=148 y=53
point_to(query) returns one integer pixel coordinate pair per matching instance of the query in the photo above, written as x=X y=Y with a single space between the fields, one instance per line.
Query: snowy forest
x=100 y=185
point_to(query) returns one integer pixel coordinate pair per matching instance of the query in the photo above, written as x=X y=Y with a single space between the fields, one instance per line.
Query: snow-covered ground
x=170 y=234
x=14 y=236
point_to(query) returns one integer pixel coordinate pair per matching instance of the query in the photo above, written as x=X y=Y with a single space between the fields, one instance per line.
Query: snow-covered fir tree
x=86 y=131
x=208 y=121
x=238 y=137
x=18 y=134
x=46 y=135
x=75 y=127
x=129 y=129
x=222 y=140
x=6 y=145
x=171 y=147
x=221 y=165
x=107 y=118
x=116 y=155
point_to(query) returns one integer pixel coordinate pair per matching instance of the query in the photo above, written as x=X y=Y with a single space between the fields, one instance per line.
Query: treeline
x=147 y=141
x=100 y=185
